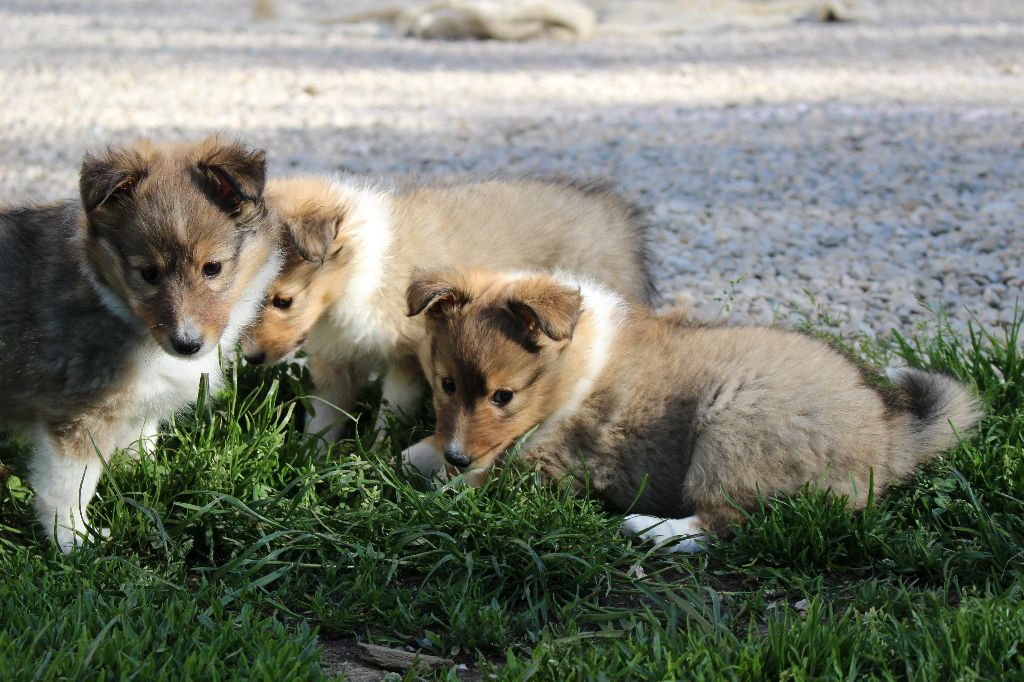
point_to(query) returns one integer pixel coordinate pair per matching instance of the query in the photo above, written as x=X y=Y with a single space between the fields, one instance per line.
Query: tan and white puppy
x=115 y=305
x=664 y=414
x=341 y=293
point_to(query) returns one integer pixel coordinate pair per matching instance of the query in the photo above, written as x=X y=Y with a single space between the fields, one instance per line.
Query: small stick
x=398 y=660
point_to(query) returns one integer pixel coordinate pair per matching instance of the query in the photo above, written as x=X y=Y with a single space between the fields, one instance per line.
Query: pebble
x=827 y=158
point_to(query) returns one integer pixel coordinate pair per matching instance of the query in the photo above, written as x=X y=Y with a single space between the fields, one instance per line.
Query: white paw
x=636 y=524
x=144 y=447
x=423 y=459
x=67 y=539
x=323 y=431
x=475 y=478
x=326 y=424
x=662 y=531
x=70 y=539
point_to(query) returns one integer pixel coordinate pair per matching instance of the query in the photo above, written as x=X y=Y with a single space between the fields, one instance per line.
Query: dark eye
x=282 y=302
x=211 y=269
x=501 y=398
x=150 y=273
x=448 y=384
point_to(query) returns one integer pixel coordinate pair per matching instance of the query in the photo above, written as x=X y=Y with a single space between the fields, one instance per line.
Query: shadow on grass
x=236 y=520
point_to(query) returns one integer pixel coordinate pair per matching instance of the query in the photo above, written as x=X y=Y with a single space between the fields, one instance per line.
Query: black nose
x=186 y=346
x=456 y=457
x=258 y=359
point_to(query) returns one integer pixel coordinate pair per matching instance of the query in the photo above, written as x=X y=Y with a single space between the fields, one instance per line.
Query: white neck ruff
x=359 y=317
x=605 y=311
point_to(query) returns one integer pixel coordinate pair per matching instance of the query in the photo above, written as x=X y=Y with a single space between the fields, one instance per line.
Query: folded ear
x=111 y=176
x=436 y=293
x=312 y=229
x=543 y=306
x=231 y=173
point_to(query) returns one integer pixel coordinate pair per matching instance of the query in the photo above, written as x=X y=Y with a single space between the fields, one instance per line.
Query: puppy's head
x=496 y=356
x=175 y=236
x=313 y=214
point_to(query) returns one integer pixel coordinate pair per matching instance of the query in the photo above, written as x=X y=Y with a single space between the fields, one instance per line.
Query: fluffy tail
x=929 y=404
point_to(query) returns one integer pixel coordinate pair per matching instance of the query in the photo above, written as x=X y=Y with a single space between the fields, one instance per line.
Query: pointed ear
x=436 y=294
x=542 y=306
x=312 y=230
x=110 y=177
x=231 y=173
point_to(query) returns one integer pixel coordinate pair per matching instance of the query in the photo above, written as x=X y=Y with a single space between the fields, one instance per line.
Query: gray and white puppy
x=115 y=305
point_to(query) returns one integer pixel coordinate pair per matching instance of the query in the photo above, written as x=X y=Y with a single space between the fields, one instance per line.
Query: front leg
x=336 y=387
x=401 y=392
x=145 y=438
x=425 y=459
x=65 y=471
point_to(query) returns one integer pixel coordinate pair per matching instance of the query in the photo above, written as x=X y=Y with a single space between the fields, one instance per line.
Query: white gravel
x=867 y=163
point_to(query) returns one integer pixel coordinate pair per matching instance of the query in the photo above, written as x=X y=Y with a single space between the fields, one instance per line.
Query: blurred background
x=852 y=155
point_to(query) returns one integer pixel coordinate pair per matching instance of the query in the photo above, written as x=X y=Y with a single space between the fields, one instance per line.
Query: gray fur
x=702 y=411
x=60 y=346
x=87 y=361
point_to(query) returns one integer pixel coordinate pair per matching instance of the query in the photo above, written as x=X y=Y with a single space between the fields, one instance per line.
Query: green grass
x=235 y=552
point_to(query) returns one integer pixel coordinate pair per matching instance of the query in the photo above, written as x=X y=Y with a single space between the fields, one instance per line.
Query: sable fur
x=681 y=412
x=92 y=355
x=355 y=245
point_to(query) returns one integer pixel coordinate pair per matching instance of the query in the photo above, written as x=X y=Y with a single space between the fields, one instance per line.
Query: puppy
x=341 y=292
x=115 y=305
x=666 y=419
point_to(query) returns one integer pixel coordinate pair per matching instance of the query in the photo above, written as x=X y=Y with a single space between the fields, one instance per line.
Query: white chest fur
x=357 y=328
x=165 y=384
x=603 y=313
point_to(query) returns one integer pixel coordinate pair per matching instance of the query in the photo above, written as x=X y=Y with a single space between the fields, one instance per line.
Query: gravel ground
x=869 y=164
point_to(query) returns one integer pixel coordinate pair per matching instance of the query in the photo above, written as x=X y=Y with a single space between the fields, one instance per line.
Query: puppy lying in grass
x=354 y=246
x=116 y=304
x=669 y=420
